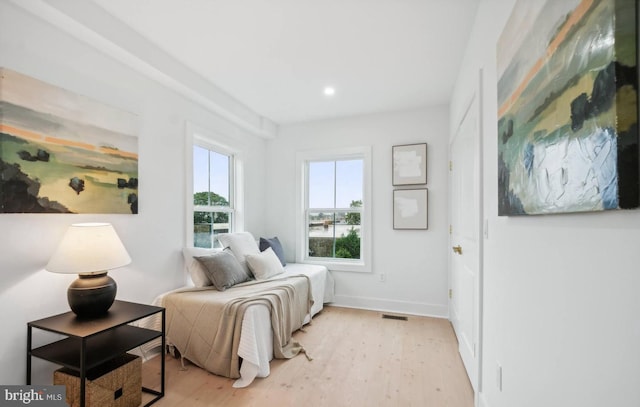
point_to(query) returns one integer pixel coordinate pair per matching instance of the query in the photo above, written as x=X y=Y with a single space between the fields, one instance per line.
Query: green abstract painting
x=567 y=107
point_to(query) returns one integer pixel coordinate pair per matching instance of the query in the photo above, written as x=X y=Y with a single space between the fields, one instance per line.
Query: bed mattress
x=255 y=346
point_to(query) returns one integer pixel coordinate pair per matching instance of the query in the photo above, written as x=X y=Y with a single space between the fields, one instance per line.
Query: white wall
x=413 y=261
x=561 y=292
x=155 y=236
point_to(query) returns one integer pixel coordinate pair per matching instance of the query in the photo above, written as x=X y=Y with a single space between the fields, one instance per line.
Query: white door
x=466 y=242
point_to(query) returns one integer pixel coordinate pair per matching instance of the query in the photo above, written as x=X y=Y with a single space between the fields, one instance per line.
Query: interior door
x=465 y=252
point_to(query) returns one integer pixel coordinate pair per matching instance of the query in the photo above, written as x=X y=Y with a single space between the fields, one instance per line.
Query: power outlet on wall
x=383 y=277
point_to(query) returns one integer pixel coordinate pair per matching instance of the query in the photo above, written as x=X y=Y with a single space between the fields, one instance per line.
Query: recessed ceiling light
x=329 y=91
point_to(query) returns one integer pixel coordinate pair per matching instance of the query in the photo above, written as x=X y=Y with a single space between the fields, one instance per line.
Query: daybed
x=243 y=306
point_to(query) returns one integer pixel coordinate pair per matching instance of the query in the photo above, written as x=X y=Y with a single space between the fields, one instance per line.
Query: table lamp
x=90 y=250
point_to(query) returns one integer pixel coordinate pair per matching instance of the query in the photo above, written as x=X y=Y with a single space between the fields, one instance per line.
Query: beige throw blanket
x=205 y=324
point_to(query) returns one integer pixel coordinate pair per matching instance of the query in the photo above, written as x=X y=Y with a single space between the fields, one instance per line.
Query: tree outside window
x=213 y=212
x=333 y=226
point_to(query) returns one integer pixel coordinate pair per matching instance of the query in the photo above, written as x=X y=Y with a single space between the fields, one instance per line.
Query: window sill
x=337 y=265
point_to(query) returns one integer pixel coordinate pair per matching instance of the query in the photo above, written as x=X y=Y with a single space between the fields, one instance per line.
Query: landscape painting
x=61 y=152
x=567 y=107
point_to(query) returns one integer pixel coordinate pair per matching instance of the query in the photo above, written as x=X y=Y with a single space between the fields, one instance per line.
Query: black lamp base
x=92 y=295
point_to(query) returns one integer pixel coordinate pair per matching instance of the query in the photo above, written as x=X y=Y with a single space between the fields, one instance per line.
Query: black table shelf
x=100 y=349
x=92 y=342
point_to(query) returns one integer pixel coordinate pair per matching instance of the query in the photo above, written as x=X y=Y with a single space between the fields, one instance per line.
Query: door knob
x=457 y=249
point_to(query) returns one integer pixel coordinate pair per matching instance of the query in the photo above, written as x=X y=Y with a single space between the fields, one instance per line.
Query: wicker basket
x=117 y=383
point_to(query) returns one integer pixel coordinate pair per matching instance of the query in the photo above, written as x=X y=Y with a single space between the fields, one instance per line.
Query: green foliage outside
x=348 y=247
x=209 y=199
x=353 y=218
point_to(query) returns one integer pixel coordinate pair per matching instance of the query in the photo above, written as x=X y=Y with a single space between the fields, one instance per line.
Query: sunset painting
x=61 y=152
x=567 y=107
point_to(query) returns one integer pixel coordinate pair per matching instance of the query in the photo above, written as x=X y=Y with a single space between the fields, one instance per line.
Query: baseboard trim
x=482 y=401
x=383 y=305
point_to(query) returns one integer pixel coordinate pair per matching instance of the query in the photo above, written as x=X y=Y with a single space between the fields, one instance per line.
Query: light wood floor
x=359 y=359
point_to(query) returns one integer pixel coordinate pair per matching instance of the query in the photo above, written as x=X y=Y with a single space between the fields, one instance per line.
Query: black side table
x=92 y=342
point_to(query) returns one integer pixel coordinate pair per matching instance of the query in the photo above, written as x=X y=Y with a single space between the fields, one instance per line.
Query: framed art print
x=410 y=208
x=410 y=164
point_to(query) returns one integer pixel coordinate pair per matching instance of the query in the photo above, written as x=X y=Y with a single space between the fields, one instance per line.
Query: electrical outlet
x=383 y=277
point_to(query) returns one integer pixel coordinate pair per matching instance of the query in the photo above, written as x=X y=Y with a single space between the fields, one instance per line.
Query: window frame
x=303 y=158
x=209 y=140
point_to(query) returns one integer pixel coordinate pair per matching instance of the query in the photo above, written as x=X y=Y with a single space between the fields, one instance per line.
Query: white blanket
x=256 y=340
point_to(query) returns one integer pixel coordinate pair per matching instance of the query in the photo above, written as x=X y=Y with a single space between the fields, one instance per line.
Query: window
x=213 y=209
x=335 y=225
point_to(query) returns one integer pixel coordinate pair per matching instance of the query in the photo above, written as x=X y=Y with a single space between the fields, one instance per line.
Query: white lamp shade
x=89 y=248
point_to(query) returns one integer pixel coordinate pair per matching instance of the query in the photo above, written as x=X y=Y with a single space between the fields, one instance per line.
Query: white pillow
x=265 y=264
x=196 y=270
x=241 y=245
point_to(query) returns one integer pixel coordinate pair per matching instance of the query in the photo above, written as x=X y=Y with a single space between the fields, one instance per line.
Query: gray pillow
x=224 y=270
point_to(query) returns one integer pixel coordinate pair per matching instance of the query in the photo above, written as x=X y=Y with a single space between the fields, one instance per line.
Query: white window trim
x=302 y=157
x=198 y=135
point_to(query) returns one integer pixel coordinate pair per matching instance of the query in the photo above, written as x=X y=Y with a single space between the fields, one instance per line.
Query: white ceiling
x=276 y=56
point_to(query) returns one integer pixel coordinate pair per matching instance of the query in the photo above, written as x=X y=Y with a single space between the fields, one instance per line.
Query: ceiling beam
x=91 y=24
